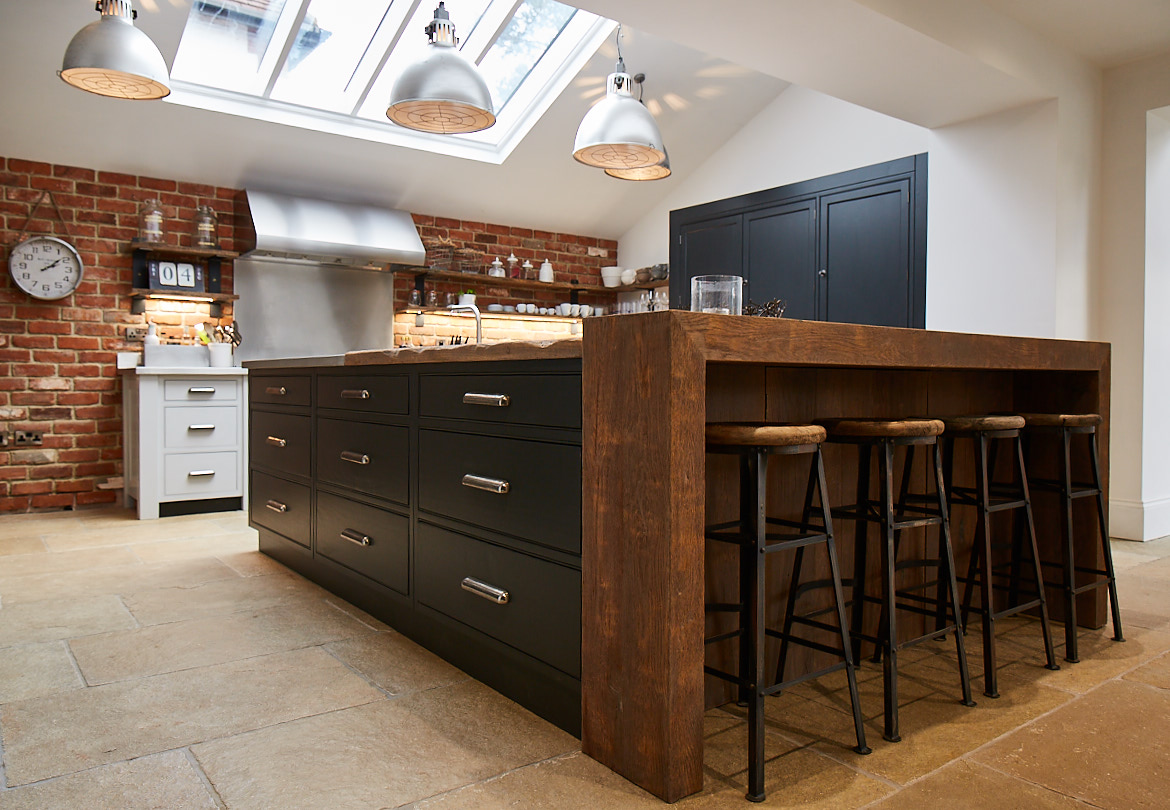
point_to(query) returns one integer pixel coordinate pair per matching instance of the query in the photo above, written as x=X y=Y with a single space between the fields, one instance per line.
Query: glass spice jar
x=206 y=235
x=150 y=221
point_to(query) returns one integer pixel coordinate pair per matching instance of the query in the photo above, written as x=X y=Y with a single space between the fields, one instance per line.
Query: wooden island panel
x=650 y=382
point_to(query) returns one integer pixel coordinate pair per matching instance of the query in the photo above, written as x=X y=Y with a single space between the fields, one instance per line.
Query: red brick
x=29 y=166
x=15 y=355
x=79 y=398
x=77 y=314
x=78 y=456
x=49 y=328
x=157 y=184
x=96 y=189
x=98 y=496
x=31 y=487
x=82 y=485
x=96 y=468
x=43 y=501
x=32 y=398
x=49 y=414
x=12 y=471
x=97 y=412
x=14 y=504
x=53 y=356
x=78 y=343
x=74 y=172
x=97 y=440
x=51 y=184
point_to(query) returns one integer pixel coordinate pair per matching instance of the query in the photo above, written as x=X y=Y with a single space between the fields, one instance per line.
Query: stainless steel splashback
x=310 y=310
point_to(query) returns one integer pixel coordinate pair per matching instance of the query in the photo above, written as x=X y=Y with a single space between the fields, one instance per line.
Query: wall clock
x=45 y=267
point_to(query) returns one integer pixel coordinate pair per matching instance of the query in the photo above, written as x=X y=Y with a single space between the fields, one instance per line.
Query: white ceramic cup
x=575 y=310
x=586 y=310
x=219 y=355
x=564 y=309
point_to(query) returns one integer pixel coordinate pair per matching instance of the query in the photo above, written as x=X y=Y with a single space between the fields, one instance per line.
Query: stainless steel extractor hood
x=299 y=229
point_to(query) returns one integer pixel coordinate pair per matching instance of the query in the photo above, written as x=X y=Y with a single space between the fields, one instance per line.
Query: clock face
x=45 y=267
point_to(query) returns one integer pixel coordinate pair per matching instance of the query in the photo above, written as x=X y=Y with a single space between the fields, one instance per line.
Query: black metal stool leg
x=861 y=530
x=1045 y=626
x=1114 y=608
x=1070 y=571
x=948 y=561
x=987 y=589
x=747 y=508
x=754 y=637
x=888 y=633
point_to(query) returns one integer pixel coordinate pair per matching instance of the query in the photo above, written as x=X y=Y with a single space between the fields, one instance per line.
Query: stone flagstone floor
x=167 y=664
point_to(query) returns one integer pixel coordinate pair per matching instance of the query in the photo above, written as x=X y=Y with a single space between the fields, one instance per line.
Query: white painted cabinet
x=183 y=436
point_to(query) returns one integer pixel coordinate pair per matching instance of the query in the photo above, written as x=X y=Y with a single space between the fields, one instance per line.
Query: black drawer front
x=367 y=393
x=291 y=390
x=371 y=541
x=542 y=615
x=543 y=498
x=281 y=506
x=373 y=459
x=553 y=400
x=280 y=441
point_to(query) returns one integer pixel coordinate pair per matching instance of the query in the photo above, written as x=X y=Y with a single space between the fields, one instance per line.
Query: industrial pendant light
x=618 y=132
x=442 y=92
x=111 y=57
x=658 y=171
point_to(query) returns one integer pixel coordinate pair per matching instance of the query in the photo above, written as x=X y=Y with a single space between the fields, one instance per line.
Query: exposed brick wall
x=573 y=257
x=57 y=358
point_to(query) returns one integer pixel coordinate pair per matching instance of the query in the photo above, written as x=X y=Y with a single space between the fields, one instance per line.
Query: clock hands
x=52 y=264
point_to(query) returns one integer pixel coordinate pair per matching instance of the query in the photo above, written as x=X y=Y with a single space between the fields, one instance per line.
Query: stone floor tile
x=53 y=736
x=58 y=619
x=23 y=565
x=170 y=550
x=118 y=579
x=251 y=563
x=395 y=663
x=306 y=622
x=27 y=544
x=382 y=755
x=1101 y=658
x=938 y=729
x=36 y=524
x=1156 y=673
x=218 y=597
x=161 y=782
x=572 y=782
x=356 y=612
x=1143 y=599
x=34 y=670
x=1107 y=748
x=132 y=532
x=965 y=784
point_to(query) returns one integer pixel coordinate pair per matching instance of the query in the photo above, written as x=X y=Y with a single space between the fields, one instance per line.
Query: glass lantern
x=150 y=221
x=206 y=228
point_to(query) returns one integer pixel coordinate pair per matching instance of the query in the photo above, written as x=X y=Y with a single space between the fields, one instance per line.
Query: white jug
x=546 y=271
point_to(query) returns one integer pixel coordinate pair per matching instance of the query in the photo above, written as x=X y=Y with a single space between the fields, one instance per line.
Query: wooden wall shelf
x=153 y=248
x=421 y=274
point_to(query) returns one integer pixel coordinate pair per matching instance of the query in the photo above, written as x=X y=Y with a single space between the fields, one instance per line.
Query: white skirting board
x=1139 y=520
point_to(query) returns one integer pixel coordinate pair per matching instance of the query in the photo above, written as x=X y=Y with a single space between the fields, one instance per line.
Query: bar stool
x=990 y=497
x=912 y=510
x=1065 y=427
x=754 y=444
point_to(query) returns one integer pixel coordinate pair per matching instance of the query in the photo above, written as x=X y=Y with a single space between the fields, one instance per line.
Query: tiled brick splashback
x=57 y=358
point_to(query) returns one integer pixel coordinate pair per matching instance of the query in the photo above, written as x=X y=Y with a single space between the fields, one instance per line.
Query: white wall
x=991 y=239
x=801 y=135
x=1130 y=92
x=1156 y=374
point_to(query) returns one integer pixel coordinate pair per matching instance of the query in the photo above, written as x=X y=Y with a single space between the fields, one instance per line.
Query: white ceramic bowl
x=611 y=276
x=628 y=276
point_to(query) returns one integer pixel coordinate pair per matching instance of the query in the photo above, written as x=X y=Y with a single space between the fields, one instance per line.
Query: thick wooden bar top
x=650 y=381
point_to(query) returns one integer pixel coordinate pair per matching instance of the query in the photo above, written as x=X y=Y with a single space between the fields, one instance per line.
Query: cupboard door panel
x=782 y=258
x=713 y=247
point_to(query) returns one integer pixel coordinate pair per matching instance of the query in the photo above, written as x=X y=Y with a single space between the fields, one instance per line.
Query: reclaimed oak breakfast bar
x=650 y=382
x=534 y=512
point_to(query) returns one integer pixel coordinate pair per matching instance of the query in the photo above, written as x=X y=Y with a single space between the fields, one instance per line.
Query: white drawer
x=201 y=475
x=212 y=389
x=201 y=428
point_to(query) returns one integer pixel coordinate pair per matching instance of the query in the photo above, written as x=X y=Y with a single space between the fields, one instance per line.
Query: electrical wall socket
x=135 y=332
x=27 y=438
x=3 y=438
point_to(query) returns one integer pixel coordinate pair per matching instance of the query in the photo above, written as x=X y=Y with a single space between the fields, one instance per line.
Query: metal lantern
x=619 y=132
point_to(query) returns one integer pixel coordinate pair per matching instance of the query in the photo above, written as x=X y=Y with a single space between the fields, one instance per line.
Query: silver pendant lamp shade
x=443 y=92
x=111 y=57
x=658 y=171
x=619 y=132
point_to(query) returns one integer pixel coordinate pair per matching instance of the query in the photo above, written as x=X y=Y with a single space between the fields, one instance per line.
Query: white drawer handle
x=200 y=427
x=198 y=390
x=354 y=458
x=494 y=485
x=200 y=473
x=491 y=400
x=277 y=506
x=355 y=537
x=488 y=592
x=276 y=441
x=355 y=393
x=276 y=390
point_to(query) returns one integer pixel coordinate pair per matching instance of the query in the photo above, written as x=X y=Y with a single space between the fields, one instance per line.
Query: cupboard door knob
x=276 y=441
x=488 y=592
x=823 y=273
x=355 y=393
x=493 y=485
x=355 y=458
x=355 y=537
x=277 y=506
x=276 y=390
x=491 y=400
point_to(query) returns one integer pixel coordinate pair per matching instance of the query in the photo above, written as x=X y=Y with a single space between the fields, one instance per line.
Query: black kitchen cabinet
x=848 y=247
x=422 y=493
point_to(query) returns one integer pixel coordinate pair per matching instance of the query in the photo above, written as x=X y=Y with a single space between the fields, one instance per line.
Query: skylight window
x=330 y=64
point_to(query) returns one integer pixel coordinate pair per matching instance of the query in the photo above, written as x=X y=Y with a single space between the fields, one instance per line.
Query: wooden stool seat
x=975 y=424
x=1061 y=420
x=883 y=428
x=756 y=434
